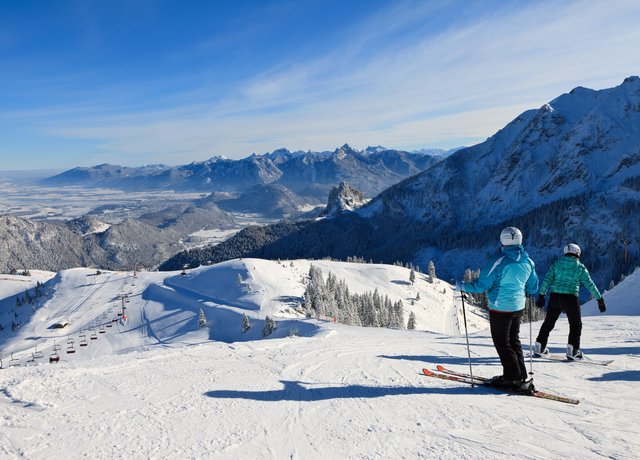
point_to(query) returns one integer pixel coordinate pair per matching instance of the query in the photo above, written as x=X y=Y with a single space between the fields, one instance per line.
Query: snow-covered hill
x=163 y=308
x=342 y=392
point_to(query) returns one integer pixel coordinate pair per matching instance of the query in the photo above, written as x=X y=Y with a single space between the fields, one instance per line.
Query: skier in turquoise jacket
x=563 y=280
x=507 y=281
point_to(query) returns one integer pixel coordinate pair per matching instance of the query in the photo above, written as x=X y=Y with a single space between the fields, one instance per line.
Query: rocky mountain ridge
x=308 y=174
x=568 y=171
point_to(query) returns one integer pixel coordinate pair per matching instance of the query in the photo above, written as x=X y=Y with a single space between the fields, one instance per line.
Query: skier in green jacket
x=564 y=279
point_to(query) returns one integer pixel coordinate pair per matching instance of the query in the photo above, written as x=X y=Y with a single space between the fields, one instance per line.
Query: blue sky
x=134 y=82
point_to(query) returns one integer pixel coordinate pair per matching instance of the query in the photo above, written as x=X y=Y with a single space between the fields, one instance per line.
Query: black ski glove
x=601 y=305
x=540 y=301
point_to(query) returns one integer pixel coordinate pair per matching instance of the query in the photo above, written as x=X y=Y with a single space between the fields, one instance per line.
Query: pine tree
x=611 y=285
x=412 y=276
x=432 y=271
x=246 y=324
x=269 y=326
x=239 y=279
x=202 y=320
x=18 y=302
x=398 y=308
x=27 y=296
x=411 y=323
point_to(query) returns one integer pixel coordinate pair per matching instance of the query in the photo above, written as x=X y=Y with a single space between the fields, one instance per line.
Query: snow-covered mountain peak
x=558 y=151
x=217 y=159
x=344 y=151
x=343 y=198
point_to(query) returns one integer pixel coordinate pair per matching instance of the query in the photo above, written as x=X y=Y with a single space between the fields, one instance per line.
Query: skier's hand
x=601 y=305
x=540 y=301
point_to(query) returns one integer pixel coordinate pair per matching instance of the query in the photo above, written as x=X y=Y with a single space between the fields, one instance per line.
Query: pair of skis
x=446 y=374
x=563 y=358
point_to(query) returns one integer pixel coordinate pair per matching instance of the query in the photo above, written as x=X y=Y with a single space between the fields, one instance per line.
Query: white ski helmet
x=572 y=248
x=510 y=236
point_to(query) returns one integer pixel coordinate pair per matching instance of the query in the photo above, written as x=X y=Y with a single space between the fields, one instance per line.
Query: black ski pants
x=568 y=304
x=505 y=332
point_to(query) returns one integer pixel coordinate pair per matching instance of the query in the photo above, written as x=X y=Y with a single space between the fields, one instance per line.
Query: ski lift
x=69 y=340
x=83 y=342
x=93 y=336
x=56 y=347
x=54 y=358
x=13 y=361
x=32 y=360
x=110 y=324
x=102 y=330
x=71 y=349
x=37 y=354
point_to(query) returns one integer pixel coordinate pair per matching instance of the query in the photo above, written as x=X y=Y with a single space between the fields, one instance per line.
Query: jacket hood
x=515 y=252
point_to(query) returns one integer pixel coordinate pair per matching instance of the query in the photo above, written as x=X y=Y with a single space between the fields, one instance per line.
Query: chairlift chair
x=54 y=358
x=56 y=347
x=69 y=340
x=37 y=354
x=83 y=342
x=13 y=361
x=71 y=349
x=93 y=336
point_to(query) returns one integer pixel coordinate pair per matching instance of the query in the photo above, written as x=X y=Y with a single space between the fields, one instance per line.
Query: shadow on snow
x=429 y=359
x=630 y=376
x=295 y=391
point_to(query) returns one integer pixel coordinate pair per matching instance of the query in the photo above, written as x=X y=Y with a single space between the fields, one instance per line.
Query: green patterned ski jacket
x=565 y=276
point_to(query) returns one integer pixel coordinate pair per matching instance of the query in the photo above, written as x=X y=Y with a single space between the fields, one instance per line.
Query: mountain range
x=307 y=174
x=568 y=171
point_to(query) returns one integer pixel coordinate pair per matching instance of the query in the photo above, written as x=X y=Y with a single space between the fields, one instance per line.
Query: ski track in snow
x=155 y=387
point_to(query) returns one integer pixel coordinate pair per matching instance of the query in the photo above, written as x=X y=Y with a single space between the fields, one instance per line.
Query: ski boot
x=573 y=355
x=525 y=387
x=538 y=351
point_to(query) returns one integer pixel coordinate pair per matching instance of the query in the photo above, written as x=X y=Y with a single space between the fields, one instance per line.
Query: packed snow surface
x=157 y=386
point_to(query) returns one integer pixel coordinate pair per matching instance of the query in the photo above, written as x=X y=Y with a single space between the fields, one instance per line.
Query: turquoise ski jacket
x=507 y=280
x=565 y=276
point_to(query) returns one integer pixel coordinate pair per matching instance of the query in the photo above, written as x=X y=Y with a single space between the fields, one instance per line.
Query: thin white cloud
x=464 y=83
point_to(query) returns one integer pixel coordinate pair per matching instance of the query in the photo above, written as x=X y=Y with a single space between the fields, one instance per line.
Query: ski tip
x=427 y=372
x=440 y=367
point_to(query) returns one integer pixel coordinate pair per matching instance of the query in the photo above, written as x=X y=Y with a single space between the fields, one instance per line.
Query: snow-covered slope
x=345 y=393
x=163 y=308
x=585 y=140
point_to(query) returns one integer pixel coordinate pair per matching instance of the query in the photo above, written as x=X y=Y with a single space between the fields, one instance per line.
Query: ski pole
x=530 y=301
x=466 y=333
